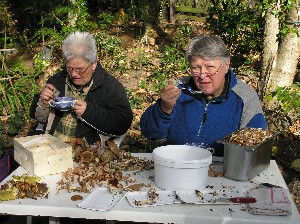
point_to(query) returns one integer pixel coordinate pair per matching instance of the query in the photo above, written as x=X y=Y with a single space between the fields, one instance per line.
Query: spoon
x=183 y=85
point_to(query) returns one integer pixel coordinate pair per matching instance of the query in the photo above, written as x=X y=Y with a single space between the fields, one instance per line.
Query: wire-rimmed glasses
x=196 y=71
x=79 y=71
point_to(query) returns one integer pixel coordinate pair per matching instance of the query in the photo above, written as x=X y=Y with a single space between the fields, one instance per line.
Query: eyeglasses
x=79 y=71
x=196 y=71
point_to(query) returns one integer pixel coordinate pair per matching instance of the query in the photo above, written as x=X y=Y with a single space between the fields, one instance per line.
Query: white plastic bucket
x=181 y=167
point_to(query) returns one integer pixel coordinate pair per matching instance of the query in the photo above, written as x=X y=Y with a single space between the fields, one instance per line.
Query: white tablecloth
x=61 y=205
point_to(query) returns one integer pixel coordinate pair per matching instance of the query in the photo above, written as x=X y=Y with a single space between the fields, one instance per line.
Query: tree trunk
x=270 y=47
x=288 y=55
x=279 y=59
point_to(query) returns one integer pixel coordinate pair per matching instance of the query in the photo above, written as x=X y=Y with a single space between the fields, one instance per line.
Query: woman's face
x=80 y=71
x=209 y=75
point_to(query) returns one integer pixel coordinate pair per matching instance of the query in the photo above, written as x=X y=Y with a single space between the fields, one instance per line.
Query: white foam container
x=181 y=167
x=43 y=155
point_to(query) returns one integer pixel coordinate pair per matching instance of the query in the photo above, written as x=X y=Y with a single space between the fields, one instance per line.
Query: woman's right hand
x=169 y=95
x=47 y=94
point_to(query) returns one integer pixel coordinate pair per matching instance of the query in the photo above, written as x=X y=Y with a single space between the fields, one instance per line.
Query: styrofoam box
x=43 y=155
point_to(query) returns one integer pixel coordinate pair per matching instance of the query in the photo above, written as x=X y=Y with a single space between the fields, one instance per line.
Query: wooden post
x=172 y=10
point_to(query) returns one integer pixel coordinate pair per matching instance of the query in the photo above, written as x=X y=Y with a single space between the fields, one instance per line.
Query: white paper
x=101 y=199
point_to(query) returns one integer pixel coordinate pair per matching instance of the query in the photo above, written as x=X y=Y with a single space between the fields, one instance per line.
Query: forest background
x=143 y=48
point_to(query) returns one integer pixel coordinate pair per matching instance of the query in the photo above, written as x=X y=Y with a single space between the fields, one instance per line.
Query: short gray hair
x=80 y=45
x=208 y=47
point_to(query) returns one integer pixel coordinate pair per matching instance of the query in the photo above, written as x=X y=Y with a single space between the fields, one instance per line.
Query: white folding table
x=59 y=204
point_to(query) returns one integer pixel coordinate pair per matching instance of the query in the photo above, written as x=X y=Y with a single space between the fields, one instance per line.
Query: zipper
x=203 y=118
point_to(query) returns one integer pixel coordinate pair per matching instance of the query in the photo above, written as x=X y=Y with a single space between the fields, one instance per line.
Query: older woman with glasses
x=101 y=105
x=206 y=106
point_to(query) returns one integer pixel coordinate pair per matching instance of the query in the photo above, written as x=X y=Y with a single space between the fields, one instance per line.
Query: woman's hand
x=79 y=107
x=47 y=94
x=169 y=95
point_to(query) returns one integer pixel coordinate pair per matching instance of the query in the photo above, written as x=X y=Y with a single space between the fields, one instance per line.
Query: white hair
x=80 y=45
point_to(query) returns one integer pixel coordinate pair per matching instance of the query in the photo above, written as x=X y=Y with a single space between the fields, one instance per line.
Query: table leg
x=110 y=222
x=29 y=219
x=54 y=220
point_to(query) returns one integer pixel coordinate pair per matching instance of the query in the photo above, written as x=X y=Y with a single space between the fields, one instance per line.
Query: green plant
x=158 y=80
x=15 y=123
x=281 y=12
x=7 y=26
x=285 y=110
x=140 y=59
x=134 y=100
x=17 y=86
x=111 y=52
x=240 y=25
x=289 y=97
x=173 y=62
x=9 y=129
x=62 y=20
x=185 y=30
x=109 y=44
x=39 y=64
x=145 y=12
x=105 y=20
x=143 y=84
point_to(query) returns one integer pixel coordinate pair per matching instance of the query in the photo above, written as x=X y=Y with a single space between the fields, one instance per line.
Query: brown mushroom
x=87 y=156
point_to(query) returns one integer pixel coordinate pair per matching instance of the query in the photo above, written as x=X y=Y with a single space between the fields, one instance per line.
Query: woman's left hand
x=79 y=107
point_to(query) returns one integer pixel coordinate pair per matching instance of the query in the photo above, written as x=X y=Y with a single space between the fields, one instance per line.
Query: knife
x=243 y=200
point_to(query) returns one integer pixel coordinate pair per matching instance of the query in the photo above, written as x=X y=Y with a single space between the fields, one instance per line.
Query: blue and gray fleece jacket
x=198 y=121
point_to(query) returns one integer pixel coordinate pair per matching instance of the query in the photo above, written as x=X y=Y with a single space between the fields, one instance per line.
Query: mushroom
x=87 y=157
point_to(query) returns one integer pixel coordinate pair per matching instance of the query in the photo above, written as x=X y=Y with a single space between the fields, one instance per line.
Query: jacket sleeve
x=38 y=111
x=258 y=121
x=34 y=105
x=252 y=115
x=155 y=123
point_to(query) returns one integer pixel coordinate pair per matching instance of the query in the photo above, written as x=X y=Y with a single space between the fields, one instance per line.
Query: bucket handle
x=211 y=150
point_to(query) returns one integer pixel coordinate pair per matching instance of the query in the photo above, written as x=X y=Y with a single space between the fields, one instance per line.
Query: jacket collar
x=99 y=77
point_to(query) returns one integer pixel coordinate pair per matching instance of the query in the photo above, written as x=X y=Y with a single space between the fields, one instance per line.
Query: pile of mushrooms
x=249 y=136
x=24 y=186
x=102 y=166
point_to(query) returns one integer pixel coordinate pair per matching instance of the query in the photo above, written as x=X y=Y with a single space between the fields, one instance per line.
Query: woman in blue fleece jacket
x=226 y=104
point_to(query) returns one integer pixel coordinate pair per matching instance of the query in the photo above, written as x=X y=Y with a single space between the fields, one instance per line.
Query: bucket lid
x=182 y=154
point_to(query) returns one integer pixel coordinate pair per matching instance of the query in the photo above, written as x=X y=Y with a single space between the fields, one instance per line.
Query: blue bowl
x=64 y=103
